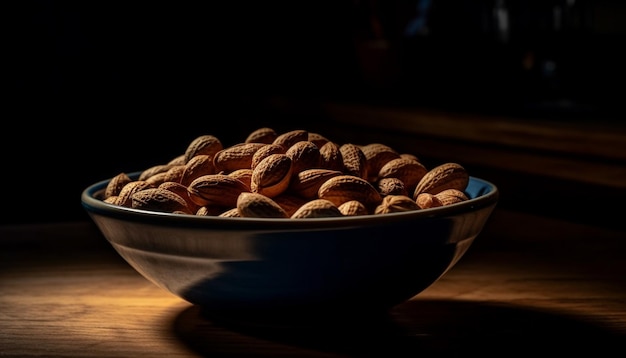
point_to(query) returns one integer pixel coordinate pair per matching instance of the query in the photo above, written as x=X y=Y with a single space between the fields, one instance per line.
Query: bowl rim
x=96 y=206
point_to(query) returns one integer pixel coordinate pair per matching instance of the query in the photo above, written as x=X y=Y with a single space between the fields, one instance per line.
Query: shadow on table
x=421 y=328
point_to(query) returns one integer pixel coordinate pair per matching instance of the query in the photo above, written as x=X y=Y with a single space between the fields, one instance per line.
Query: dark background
x=100 y=87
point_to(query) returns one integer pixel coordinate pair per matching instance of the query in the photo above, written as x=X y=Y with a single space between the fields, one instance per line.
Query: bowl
x=365 y=263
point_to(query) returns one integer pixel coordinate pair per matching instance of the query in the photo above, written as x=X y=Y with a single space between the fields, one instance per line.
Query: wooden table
x=529 y=285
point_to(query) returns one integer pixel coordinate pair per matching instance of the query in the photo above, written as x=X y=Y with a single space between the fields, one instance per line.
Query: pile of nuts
x=295 y=174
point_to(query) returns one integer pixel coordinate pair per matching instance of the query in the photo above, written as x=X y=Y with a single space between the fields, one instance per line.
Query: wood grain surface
x=528 y=285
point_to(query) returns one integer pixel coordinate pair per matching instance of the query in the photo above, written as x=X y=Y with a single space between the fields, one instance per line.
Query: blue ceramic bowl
x=368 y=262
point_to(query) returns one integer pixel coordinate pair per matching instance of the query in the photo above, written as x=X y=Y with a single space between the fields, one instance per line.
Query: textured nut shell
x=377 y=155
x=353 y=208
x=205 y=144
x=245 y=175
x=451 y=196
x=115 y=185
x=391 y=186
x=330 y=157
x=175 y=173
x=161 y=168
x=124 y=198
x=307 y=182
x=407 y=170
x=235 y=157
x=196 y=167
x=255 y=205
x=344 y=188
x=290 y=138
x=111 y=200
x=304 y=155
x=427 y=200
x=354 y=161
x=158 y=199
x=396 y=204
x=216 y=189
x=272 y=175
x=265 y=152
x=262 y=135
x=180 y=189
x=318 y=208
x=230 y=213
x=442 y=177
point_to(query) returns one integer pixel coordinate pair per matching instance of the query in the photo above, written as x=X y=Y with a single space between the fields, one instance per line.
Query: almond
x=330 y=157
x=344 y=188
x=303 y=155
x=396 y=204
x=407 y=170
x=264 y=152
x=116 y=184
x=290 y=138
x=377 y=155
x=442 y=177
x=354 y=161
x=427 y=200
x=205 y=144
x=255 y=205
x=236 y=157
x=197 y=166
x=391 y=186
x=262 y=135
x=216 y=189
x=451 y=196
x=307 y=182
x=353 y=208
x=157 y=199
x=272 y=175
x=125 y=196
x=318 y=208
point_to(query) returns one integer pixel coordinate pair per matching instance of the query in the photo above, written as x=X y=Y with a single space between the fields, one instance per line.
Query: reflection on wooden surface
x=529 y=285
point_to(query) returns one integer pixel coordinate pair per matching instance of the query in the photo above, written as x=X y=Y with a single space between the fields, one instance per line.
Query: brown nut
x=272 y=175
x=158 y=199
x=330 y=157
x=318 y=208
x=354 y=161
x=197 y=166
x=265 y=152
x=290 y=138
x=255 y=205
x=442 y=177
x=307 y=182
x=451 y=196
x=235 y=157
x=377 y=155
x=115 y=185
x=262 y=135
x=391 y=186
x=216 y=189
x=407 y=170
x=427 y=200
x=396 y=204
x=353 y=208
x=304 y=155
x=344 y=188
x=205 y=144
x=125 y=196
